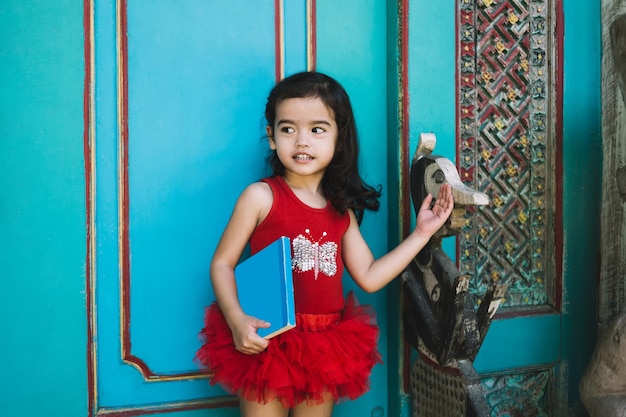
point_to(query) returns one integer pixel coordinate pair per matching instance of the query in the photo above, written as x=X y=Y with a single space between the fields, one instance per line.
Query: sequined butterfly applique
x=309 y=255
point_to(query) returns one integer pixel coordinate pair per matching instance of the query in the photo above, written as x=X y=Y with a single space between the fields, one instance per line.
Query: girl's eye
x=287 y=129
x=318 y=130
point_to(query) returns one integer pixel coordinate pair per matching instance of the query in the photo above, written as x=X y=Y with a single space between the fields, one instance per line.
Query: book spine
x=289 y=297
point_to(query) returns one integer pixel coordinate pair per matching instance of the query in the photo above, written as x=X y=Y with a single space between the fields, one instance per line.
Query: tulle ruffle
x=322 y=354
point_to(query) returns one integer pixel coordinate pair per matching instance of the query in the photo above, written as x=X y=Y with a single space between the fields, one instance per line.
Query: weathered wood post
x=603 y=384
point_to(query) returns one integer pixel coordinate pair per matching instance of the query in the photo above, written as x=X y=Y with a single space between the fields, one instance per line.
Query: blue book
x=265 y=287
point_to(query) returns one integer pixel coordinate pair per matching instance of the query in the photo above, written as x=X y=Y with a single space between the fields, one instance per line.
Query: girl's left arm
x=373 y=274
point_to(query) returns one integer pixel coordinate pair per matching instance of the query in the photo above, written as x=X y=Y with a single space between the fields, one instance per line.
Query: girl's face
x=304 y=136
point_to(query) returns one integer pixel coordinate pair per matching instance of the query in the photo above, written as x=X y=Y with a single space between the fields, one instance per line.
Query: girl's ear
x=270 y=136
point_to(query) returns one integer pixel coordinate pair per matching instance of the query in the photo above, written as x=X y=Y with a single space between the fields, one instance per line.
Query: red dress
x=333 y=347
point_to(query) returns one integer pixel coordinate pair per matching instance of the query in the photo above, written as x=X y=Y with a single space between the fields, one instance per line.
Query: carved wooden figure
x=440 y=320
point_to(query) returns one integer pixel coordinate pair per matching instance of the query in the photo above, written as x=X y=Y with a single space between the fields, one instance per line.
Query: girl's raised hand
x=429 y=220
x=245 y=335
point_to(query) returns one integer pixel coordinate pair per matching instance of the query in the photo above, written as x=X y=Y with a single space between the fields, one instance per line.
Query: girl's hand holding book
x=245 y=337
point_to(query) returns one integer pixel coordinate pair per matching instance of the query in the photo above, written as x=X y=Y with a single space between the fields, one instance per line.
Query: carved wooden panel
x=506 y=123
x=527 y=394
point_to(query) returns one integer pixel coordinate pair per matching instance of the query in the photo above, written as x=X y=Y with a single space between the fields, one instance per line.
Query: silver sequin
x=309 y=255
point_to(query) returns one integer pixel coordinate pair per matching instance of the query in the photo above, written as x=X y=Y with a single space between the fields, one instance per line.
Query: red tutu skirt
x=324 y=353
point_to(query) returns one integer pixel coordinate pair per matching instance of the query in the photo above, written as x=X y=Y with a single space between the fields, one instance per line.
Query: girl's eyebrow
x=314 y=122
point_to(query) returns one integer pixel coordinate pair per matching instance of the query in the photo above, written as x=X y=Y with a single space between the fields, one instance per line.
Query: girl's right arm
x=252 y=206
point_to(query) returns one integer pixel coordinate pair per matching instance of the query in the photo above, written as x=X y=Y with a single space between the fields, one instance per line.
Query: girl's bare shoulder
x=258 y=191
x=257 y=196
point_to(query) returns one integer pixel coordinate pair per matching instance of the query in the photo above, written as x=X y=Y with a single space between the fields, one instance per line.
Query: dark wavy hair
x=342 y=184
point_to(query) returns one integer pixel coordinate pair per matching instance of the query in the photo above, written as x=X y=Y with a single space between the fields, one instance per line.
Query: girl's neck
x=307 y=189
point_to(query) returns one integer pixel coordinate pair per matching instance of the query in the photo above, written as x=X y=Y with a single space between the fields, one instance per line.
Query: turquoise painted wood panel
x=582 y=184
x=521 y=342
x=179 y=134
x=194 y=142
x=180 y=94
x=42 y=210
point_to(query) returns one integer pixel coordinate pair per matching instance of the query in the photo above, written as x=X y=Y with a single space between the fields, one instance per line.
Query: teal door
x=178 y=94
x=486 y=78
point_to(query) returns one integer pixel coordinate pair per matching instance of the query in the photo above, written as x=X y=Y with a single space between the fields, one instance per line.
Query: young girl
x=315 y=197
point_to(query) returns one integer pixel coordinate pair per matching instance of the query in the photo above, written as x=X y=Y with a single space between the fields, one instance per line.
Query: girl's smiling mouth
x=302 y=157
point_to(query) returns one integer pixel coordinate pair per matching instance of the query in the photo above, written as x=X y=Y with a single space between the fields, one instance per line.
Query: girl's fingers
x=253 y=344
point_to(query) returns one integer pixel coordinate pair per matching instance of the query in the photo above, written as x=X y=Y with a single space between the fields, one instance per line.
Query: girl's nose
x=302 y=141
